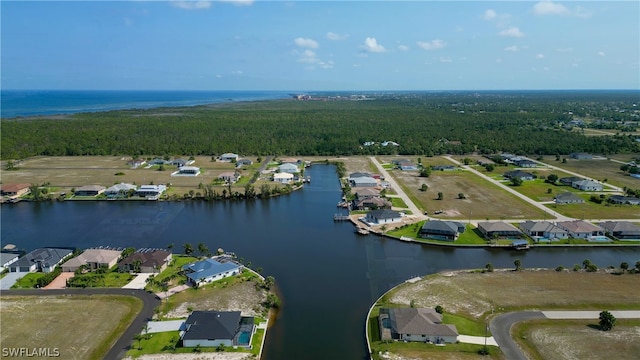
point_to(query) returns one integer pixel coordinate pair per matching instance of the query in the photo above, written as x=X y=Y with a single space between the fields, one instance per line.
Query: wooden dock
x=339 y=217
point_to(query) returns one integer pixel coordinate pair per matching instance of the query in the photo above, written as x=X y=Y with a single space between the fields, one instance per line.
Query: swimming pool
x=244 y=338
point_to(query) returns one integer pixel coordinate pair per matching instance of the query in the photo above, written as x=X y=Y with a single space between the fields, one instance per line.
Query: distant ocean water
x=14 y=103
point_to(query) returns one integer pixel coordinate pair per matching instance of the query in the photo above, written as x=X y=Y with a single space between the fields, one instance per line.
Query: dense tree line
x=425 y=124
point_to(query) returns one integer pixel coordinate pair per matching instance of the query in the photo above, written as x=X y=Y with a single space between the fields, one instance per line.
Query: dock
x=362 y=231
x=339 y=217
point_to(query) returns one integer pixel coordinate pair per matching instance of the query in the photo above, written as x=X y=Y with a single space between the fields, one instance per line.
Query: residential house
x=498 y=229
x=159 y=161
x=526 y=163
x=283 y=178
x=443 y=168
x=581 y=229
x=408 y=167
x=229 y=176
x=93 y=259
x=209 y=270
x=215 y=328
x=587 y=185
x=362 y=193
x=569 y=180
x=543 y=230
x=370 y=203
x=621 y=230
x=568 y=198
x=179 y=162
x=399 y=162
x=90 y=190
x=415 y=324
x=119 y=190
x=483 y=162
x=40 y=260
x=442 y=230
x=581 y=156
x=383 y=216
x=136 y=163
x=359 y=175
x=619 y=199
x=146 y=261
x=289 y=168
x=363 y=181
x=244 y=162
x=229 y=157
x=523 y=175
x=293 y=161
x=188 y=171
x=151 y=192
x=14 y=190
x=7 y=258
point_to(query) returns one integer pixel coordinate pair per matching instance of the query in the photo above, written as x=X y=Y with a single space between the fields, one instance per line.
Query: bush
x=560 y=268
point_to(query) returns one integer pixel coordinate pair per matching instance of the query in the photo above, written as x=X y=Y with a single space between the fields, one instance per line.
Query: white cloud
x=191 y=5
x=446 y=60
x=511 y=32
x=513 y=48
x=403 y=48
x=335 y=36
x=371 y=45
x=551 y=8
x=239 y=2
x=431 y=45
x=326 y=65
x=237 y=72
x=601 y=53
x=540 y=56
x=490 y=15
x=306 y=43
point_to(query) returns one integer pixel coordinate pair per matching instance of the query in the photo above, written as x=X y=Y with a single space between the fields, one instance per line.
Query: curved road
x=118 y=350
x=501 y=330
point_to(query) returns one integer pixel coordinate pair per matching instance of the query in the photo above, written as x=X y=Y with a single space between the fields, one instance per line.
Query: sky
x=320 y=45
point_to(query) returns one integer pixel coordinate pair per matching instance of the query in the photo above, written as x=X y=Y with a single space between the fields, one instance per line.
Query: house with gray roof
x=366 y=192
x=370 y=203
x=40 y=260
x=214 y=328
x=415 y=324
x=581 y=229
x=441 y=230
x=519 y=174
x=621 y=230
x=587 y=185
x=120 y=190
x=568 y=198
x=383 y=216
x=7 y=259
x=543 y=230
x=569 y=180
x=619 y=199
x=288 y=168
x=498 y=229
x=363 y=181
x=89 y=190
x=209 y=270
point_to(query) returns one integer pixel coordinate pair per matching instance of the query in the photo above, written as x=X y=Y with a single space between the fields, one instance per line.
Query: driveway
x=164 y=326
x=417 y=214
x=60 y=282
x=7 y=282
x=478 y=340
x=139 y=282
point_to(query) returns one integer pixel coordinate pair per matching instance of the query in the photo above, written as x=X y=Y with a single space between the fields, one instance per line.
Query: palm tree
x=203 y=249
x=188 y=249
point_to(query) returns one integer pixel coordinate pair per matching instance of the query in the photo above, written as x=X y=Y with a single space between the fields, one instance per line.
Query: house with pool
x=215 y=328
x=209 y=270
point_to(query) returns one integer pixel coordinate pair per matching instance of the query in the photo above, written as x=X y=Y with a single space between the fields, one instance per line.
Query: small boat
x=362 y=231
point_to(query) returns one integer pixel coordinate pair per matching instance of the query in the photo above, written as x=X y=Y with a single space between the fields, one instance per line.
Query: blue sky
x=320 y=45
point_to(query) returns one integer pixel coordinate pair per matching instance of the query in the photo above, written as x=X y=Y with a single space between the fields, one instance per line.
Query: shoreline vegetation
x=470 y=299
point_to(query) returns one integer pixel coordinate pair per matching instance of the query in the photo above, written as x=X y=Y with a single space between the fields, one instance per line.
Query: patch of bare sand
x=198 y=356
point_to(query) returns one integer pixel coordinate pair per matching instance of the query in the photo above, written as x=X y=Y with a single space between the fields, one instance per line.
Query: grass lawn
x=66 y=322
x=591 y=210
x=471 y=236
x=397 y=202
x=111 y=279
x=28 y=281
x=597 y=169
x=155 y=343
x=171 y=273
x=578 y=339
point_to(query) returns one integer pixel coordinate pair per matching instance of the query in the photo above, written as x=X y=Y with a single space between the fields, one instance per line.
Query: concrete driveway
x=477 y=340
x=7 y=282
x=164 y=326
x=139 y=282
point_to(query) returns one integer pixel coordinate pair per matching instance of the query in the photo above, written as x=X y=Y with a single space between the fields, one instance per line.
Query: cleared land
x=36 y=322
x=599 y=170
x=473 y=295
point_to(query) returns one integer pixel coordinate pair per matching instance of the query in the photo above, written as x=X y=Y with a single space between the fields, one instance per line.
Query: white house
x=187 y=171
x=119 y=190
x=587 y=185
x=151 y=192
x=229 y=157
x=363 y=181
x=383 y=216
x=209 y=270
x=283 y=177
x=288 y=168
x=581 y=229
x=543 y=230
x=214 y=328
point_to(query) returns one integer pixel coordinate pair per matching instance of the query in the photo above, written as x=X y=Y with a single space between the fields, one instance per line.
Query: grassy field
x=599 y=170
x=28 y=281
x=48 y=321
x=578 y=339
x=477 y=296
x=591 y=210
x=471 y=236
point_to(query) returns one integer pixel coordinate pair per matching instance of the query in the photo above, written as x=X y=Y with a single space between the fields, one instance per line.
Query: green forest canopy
x=425 y=124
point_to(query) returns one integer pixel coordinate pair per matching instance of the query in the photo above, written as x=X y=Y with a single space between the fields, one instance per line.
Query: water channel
x=328 y=276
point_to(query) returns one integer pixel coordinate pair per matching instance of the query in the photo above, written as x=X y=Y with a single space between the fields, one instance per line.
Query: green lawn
x=171 y=273
x=471 y=236
x=28 y=281
x=111 y=279
x=397 y=202
x=591 y=210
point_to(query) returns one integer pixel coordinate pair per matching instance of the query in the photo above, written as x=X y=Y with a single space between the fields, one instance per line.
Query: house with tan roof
x=89 y=190
x=498 y=229
x=146 y=261
x=543 y=230
x=581 y=229
x=14 y=190
x=415 y=324
x=229 y=176
x=93 y=259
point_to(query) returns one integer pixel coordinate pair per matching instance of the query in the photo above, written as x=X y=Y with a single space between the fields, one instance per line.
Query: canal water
x=328 y=275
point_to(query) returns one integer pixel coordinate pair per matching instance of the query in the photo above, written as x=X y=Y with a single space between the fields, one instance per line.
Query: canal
x=328 y=276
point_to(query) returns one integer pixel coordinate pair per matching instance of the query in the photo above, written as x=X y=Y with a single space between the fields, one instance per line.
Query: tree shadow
x=594 y=326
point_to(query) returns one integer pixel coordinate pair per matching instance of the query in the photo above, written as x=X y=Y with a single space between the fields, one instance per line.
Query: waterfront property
x=90 y=190
x=151 y=192
x=92 y=259
x=145 y=261
x=14 y=190
x=370 y=203
x=119 y=190
x=40 y=260
x=283 y=178
x=498 y=229
x=543 y=230
x=288 y=168
x=580 y=229
x=230 y=177
x=415 y=324
x=214 y=328
x=621 y=230
x=383 y=216
x=568 y=198
x=363 y=181
x=7 y=259
x=441 y=230
x=209 y=270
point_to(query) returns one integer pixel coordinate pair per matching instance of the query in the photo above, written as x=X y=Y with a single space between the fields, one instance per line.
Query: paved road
x=401 y=194
x=614 y=188
x=501 y=330
x=149 y=301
